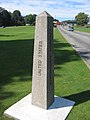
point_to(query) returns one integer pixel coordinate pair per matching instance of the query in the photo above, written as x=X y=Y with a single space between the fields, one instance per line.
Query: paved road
x=80 y=41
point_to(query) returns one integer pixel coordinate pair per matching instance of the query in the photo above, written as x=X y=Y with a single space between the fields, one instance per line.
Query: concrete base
x=24 y=110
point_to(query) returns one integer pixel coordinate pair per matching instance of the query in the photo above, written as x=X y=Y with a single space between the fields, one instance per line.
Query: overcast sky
x=59 y=9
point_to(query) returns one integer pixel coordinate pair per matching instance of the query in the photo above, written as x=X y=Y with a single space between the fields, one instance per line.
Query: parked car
x=70 y=28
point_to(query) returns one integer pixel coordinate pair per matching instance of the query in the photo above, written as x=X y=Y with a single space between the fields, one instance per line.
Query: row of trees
x=81 y=19
x=15 y=18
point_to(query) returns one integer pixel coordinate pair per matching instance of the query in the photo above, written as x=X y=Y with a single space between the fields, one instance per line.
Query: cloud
x=65 y=9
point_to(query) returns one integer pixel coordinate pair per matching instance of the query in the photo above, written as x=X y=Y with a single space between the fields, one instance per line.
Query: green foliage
x=87 y=26
x=82 y=19
x=16 y=14
x=10 y=19
x=1 y=9
x=15 y=18
x=5 y=18
x=30 y=19
x=1 y=20
x=18 y=19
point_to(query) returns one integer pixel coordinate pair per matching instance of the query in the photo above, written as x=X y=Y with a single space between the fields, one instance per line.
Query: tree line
x=81 y=19
x=15 y=18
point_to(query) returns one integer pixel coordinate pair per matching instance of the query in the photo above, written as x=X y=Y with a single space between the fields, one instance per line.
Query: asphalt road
x=80 y=41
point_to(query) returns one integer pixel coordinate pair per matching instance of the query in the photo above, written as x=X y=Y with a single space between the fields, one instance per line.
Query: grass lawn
x=72 y=77
x=16 y=51
x=83 y=29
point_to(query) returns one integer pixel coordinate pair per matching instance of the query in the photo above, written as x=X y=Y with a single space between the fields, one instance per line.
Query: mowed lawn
x=71 y=75
x=83 y=29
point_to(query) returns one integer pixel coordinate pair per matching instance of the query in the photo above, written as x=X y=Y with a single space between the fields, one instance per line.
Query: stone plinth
x=24 y=110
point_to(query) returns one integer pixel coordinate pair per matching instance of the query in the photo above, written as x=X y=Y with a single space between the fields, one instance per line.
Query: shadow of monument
x=79 y=98
x=65 y=101
x=60 y=102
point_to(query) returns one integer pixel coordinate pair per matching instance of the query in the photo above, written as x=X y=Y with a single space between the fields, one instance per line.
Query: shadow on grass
x=6 y=95
x=79 y=97
x=16 y=60
x=62 y=56
x=15 y=63
x=6 y=35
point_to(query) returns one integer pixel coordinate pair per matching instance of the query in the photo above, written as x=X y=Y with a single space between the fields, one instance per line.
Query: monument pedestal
x=24 y=110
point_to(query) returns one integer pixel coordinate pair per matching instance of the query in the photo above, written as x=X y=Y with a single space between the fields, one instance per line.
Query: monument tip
x=44 y=13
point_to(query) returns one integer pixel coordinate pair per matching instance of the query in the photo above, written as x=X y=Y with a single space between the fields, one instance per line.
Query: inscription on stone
x=40 y=58
x=39 y=67
x=40 y=49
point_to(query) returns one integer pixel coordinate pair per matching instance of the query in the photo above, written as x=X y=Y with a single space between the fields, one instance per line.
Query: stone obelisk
x=43 y=66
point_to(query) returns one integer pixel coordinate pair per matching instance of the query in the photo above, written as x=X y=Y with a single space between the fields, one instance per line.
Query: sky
x=59 y=9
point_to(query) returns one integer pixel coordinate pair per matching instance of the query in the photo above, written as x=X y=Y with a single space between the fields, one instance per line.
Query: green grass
x=72 y=77
x=16 y=51
x=83 y=29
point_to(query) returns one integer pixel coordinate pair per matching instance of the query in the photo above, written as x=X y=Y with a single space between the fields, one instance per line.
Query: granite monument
x=43 y=65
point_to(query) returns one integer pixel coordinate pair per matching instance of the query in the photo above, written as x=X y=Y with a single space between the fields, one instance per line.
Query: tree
x=30 y=19
x=1 y=9
x=34 y=19
x=81 y=18
x=18 y=19
x=6 y=18
x=1 y=20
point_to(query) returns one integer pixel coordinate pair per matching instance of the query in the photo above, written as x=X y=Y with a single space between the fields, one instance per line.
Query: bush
x=87 y=26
